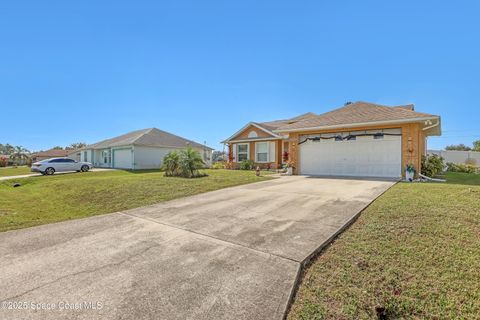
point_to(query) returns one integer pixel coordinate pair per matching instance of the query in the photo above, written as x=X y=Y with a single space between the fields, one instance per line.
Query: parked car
x=50 y=166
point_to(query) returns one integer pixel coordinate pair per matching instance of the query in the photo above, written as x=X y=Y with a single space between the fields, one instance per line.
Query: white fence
x=457 y=156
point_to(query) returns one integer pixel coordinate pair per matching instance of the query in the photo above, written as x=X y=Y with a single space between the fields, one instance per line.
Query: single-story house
x=358 y=139
x=52 y=153
x=141 y=149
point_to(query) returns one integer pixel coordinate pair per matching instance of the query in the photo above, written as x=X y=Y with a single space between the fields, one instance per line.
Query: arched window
x=252 y=134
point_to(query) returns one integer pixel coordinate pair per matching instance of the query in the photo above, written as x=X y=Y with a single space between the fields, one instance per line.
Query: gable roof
x=151 y=137
x=359 y=113
x=270 y=126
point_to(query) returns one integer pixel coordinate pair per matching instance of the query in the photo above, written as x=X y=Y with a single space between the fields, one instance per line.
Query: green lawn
x=47 y=199
x=415 y=252
x=14 y=171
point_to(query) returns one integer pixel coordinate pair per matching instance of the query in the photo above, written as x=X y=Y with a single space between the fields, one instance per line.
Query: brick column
x=293 y=151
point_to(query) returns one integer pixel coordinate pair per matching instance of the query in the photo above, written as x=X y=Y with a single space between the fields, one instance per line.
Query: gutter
x=432 y=126
x=360 y=124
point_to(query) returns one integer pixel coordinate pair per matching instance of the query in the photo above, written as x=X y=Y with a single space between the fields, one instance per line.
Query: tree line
x=463 y=147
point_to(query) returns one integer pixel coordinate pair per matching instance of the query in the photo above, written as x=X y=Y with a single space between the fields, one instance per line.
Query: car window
x=69 y=160
x=55 y=160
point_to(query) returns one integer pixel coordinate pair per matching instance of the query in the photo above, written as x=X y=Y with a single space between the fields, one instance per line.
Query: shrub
x=171 y=164
x=218 y=165
x=184 y=163
x=432 y=165
x=247 y=165
x=471 y=162
x=3 y=161
x=190 y=162
x=460 y=167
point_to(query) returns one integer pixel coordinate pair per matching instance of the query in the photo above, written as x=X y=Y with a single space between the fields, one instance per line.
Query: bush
x=218 y=165
x=432 y=165
x=247 y=165
x=190 y=162
x=3 y=161
x=471 y=162
x=171 y=164
x=184 y=163
x=460 y=167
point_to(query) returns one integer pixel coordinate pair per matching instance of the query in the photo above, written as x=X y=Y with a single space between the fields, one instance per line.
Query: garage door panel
x=123 y=159
x=364 y=156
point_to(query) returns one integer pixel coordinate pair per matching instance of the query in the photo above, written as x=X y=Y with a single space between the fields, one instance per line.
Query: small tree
x=476 y=145
x=171 y=164
x=190 y=162
x=77 y=145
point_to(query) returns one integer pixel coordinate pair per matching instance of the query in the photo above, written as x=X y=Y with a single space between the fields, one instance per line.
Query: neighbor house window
x=85 y=156
x=242 y=152
x=262 y=151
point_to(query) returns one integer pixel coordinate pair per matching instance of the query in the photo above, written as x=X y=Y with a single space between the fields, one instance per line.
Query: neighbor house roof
x=52 y=153
x=359 y=113
x=151 y=137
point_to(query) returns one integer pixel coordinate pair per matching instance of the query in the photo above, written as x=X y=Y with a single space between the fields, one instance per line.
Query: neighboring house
x=471 y=157
x=141 y=149
x=52 y=153
x=358 y=139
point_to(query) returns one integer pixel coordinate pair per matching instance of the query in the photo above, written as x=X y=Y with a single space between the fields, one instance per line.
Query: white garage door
x=365 y=156
x=122 y=159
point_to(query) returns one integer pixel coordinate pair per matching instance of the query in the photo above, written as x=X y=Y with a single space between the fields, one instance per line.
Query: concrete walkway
x=234 y=253
x=56 y=173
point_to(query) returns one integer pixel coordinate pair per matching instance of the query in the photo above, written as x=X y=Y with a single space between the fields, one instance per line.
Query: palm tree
x=190 y=162
x=171 y=163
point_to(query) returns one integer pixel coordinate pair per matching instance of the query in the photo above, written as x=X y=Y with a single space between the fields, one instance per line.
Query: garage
x=359 y=154
x=123 y=158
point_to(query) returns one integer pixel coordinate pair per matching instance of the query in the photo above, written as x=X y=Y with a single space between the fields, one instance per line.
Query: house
x=141 y=149
x=358 y=139
x=52 y=153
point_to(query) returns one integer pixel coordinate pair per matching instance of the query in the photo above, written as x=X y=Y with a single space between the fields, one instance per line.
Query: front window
x=106 y=156
x=242 y=152
x=262 y=151
x=85 y=157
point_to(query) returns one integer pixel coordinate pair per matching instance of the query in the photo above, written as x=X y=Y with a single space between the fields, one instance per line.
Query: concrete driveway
x=234 y=253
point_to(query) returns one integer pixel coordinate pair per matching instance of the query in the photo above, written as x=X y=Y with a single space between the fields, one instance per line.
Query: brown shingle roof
x=151 y=137
x=358 y=112
x=273 y=125
x=52 y=153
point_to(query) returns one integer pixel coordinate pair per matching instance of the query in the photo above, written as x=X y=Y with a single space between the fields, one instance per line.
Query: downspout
x=133 y=157
x=426 y=128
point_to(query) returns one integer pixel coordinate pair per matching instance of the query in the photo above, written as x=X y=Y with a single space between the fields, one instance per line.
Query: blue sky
x=89 y=70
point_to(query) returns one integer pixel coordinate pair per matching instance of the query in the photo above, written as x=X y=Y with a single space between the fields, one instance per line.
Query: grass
x=415 y=252
x=14 y=171
x=47 y=199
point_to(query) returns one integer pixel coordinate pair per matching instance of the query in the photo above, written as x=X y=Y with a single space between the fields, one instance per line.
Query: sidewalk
x=56 y=173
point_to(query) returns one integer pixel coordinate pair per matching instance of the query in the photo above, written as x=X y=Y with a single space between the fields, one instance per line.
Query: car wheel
x=49 y=171
x=85 y=168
